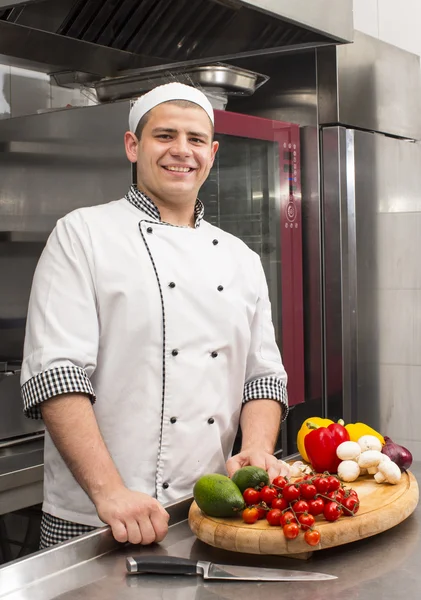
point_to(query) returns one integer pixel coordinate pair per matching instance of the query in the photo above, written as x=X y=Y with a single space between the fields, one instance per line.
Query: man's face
x=175 y=152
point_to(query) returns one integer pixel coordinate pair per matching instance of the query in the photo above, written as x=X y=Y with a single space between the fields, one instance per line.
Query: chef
x=149 y=340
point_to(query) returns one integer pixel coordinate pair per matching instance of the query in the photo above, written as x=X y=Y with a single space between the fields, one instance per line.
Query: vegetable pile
x=351 y=450
x=295 y=506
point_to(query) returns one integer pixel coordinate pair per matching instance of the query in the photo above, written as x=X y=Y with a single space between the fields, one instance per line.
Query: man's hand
x=258 y=458
x=133 y=516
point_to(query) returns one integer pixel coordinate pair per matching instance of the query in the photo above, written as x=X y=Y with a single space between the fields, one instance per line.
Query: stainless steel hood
x=106 y=37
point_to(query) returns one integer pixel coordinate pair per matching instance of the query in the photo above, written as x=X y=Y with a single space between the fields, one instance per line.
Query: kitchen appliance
x=369 y=100
x=172 y=565
x=98 y=38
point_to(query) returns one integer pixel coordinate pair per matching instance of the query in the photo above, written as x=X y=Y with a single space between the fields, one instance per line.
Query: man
x=149 y=339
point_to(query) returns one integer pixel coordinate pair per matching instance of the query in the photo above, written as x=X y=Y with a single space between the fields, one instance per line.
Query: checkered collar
x=144 y=203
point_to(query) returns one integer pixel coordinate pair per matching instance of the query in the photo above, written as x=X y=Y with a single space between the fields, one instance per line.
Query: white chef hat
x=165 y=93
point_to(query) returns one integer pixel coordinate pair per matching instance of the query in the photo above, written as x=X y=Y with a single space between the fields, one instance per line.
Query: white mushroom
x=370 y=458
x=369 y=442
x=389 y=472
x=348 y=451
x=348 y=470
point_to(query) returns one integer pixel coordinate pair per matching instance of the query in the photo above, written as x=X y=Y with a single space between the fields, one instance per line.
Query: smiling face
x=174 y=154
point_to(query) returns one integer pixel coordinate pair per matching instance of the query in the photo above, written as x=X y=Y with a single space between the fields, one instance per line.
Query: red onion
x=398 y=454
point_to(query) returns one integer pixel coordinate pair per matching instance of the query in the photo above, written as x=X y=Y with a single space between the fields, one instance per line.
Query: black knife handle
x=164 y=565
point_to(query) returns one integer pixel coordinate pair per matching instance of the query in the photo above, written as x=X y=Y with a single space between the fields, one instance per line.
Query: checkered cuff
x=60 y=380
x=270 y=388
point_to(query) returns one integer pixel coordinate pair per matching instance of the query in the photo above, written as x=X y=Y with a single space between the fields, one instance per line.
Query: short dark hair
x=181 y=103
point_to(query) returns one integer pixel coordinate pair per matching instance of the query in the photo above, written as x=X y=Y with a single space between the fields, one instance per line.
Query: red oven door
x=254 y=192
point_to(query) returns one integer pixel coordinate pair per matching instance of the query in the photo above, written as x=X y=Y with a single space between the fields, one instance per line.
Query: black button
x=174 y=352
x=211 y=421
x=165 y=485
x=220 y=288
x=171 y=284
x=214 y=354
x=173 y=420
x=215 y=242
x=149 y=230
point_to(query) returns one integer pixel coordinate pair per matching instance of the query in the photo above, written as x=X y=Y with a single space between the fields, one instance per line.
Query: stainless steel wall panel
x=397 y=172
x=336 y=274
x=399 y=244
x=378 y=87
x=379 y=268
x=45 y=159
x=326 y=16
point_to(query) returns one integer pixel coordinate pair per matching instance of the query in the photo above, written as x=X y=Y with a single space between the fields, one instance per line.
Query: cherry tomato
x=280 y=503
x=334 y=483
x=316 y=506
x=332 y=511
x=322 y=484
x=291 y=531
x=340 y=492
x=335 y=495
x=352 y=493
x=291 y=492
x=312 y=537
x=288 y=517
x=262 y=512
x=280 y=482
x=306 y=521
x=301 y=506
x=268 y=494
x=250 y=515
x=308 y=491
x=273 y=517
x=350 y=506
x=251 y=496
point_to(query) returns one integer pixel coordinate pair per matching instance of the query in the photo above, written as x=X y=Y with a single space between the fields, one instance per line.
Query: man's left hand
x=258 y=458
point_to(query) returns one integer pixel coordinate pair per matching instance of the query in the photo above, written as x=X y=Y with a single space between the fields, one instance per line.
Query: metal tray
x=220 y=77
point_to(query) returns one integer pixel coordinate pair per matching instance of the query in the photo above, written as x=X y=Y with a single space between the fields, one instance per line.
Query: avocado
x=250 y=477
x=217 y=496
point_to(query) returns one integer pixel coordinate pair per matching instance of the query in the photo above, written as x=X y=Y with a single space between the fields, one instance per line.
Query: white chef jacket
x=168 y=328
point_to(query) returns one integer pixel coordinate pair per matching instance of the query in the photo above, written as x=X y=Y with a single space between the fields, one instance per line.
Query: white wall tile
x=399 y=248
x=400 y=23
x=399 y=327
x=366 y=17
x=5 y=109
x=29 y=92
x=400 y=409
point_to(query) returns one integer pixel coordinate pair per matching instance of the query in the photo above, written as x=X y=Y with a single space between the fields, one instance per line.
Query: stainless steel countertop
x=380 y=567
x=21 y=474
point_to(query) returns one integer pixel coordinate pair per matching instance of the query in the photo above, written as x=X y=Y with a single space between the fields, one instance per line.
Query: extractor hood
x=107 y=37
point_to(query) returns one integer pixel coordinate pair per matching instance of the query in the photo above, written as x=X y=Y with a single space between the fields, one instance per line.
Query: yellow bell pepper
x=357 y=430
x=305 y=430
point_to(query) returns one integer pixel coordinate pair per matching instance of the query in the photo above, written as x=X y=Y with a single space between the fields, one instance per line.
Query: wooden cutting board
x=382 y=506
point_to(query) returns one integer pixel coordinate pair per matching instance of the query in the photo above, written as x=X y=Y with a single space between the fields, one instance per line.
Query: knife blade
x=172 y=565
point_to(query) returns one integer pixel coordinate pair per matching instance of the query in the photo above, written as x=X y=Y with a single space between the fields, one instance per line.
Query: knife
x=172 y=565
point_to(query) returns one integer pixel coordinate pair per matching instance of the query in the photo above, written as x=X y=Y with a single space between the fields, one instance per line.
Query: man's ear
x=131 y=143
x=215 y=146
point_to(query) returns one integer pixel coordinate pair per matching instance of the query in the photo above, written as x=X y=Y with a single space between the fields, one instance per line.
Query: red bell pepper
x=321 y=444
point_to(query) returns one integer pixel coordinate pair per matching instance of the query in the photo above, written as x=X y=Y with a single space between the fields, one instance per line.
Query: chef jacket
x=168 y=328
